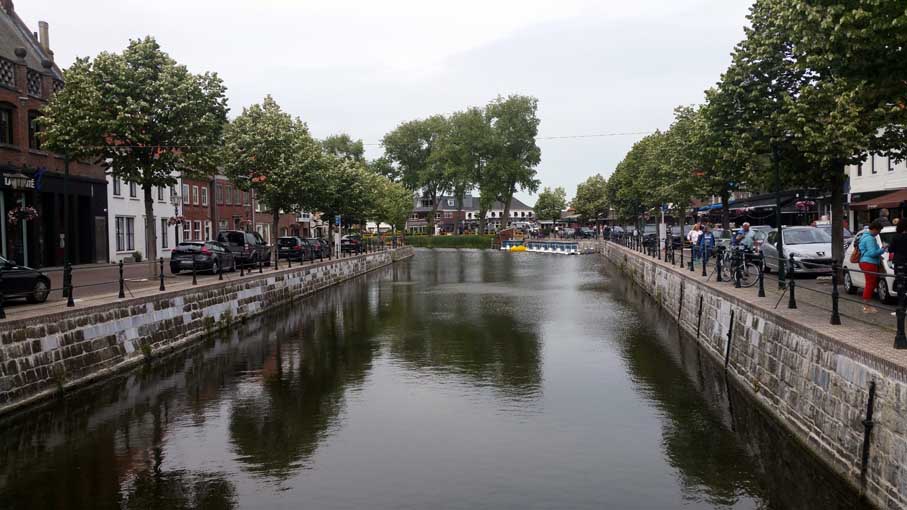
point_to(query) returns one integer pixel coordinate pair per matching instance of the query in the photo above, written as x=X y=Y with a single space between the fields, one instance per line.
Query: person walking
x=883 y=218
x=870 y=262
x=706 y=244
x=897 y=254
x=693 y=238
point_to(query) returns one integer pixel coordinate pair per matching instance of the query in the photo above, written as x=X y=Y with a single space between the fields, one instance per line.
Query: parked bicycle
x=739 y=261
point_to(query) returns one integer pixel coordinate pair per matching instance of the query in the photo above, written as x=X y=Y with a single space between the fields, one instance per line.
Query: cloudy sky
x=364 y=66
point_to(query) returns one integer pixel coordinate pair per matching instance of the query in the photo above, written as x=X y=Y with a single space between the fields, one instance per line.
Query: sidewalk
x=872 y=334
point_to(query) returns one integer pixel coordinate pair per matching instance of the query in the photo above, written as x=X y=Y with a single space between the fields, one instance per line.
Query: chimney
x=44 y=36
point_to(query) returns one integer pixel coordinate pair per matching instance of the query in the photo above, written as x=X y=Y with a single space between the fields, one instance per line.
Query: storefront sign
x=29 y=183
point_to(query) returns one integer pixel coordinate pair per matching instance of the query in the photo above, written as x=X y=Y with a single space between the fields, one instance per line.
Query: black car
x=351 y=244
x=294 y=248
x=23 y=282
x=204 y=255
x=320 y=247
x=248 y=248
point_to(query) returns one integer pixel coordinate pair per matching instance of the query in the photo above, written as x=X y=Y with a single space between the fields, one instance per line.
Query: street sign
x=337 y=220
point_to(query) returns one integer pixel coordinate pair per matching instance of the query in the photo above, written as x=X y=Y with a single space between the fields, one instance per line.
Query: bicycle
x=740 y=260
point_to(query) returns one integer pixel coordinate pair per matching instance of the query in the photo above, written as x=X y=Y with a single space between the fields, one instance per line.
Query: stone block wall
x=814 y=385
x=41 y=356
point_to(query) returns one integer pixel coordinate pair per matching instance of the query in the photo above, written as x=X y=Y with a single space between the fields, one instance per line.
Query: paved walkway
x=873 y=334
x=96 y=285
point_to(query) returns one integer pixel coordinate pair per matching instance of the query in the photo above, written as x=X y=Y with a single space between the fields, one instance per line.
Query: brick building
x=233 y=208
x=28 y=77
x=196 y=209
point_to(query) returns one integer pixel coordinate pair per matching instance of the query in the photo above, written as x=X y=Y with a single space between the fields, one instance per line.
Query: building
x=878 y=183
x=450 y=218
x=28 y=77
x=195 y=209
x=233 y=209
x=126 y=206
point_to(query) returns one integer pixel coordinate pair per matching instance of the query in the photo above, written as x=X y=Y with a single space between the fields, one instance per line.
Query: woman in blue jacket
x=870 y=262
x=706 y=243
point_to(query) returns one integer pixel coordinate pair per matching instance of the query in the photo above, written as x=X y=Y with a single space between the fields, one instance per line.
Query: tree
x=142 y=115
x=514 y=126
x=271 y=153
x=394 y=203
x=591 y=200
x=342 y=146
x=412 y=147
x=550 y=204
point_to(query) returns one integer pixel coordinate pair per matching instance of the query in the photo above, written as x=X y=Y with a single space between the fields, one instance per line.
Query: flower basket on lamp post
x=20 y=214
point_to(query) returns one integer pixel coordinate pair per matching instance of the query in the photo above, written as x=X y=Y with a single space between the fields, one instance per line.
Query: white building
x=878 y=183
x=126 y=214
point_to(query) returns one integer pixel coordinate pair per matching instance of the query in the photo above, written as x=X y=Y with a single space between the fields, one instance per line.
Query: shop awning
x=890 y=200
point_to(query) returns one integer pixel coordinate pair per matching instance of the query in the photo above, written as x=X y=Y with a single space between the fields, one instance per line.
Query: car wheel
x=39 y=292
x=233 y=266
x=884 y=294
x=848 y=283
x=215 y=267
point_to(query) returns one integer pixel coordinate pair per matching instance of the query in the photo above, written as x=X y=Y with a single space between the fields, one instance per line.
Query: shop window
x=133 y=190
x=165 y=242
x=34 y=140
x=7 y=114
x=125 y=233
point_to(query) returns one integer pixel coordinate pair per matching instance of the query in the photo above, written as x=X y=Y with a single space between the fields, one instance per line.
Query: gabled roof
x=470 y=203
x=14 y=33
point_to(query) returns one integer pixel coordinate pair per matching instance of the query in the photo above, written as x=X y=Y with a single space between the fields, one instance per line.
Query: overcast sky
x=364 y=66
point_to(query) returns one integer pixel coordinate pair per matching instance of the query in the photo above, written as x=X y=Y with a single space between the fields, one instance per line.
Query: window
x=125 y=233
x=448 y=215
x=165 y=243
x=117 y=191
x=34 y=141
x=492 y=214
x=185 y=197
x=133 y=191
x=522 y=214
x=237 y=196
x=890 y=165
x=860 y=169
x=426 y=202
x=530 y=214
x=873 y=163
x=196 y=230
x=6 y=124
x=450 y=202
x=222 y=225
x=194 y=195
x=187 y=230
x=204 y=193
x=246 y=198
x=207 y=230
x=160 y=193
x=218 y=194
x=228 y=192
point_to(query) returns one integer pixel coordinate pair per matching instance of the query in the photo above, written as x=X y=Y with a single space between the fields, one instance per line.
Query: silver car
x=810 y=246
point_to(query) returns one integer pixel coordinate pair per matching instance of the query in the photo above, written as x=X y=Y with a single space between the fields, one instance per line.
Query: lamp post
x=175 y=200
x=19 y=182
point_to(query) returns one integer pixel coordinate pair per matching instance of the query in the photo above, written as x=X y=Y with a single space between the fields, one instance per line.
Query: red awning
x=888 y=201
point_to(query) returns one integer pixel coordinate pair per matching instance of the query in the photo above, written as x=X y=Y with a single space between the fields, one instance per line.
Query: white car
x=855 y=280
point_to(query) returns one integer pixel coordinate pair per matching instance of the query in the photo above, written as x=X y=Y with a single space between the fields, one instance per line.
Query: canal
x=457 y=379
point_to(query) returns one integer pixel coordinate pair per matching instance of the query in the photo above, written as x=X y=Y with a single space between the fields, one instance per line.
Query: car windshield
x=286 y=241
x=827 y=230
x=189 y=247
x=806 y=236
x=232 y=237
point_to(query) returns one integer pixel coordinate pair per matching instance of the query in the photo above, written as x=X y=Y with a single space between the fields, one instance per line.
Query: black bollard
x=705 y=260
x=162 y=275
x=70 y=300
x=220 y=272
x=242 y=270
x=290 y=259
x=194 y=272
x=2 y=311
x=718 y=257
x=122 y=294
x=67 y=279
x=737 y=270
x=761 y=275
x=835 y=316
x=900 y=340
x=792 y=299
x=681 y=254
x=261 y=266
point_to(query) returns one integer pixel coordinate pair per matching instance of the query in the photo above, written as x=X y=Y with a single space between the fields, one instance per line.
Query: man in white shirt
x=693 y=238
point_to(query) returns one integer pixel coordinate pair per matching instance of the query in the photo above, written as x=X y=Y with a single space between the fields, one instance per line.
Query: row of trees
x=147 y=119
x=815 y=86
x=491 y=149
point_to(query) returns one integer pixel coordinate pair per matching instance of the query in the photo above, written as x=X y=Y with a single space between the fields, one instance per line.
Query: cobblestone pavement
x=870 y=333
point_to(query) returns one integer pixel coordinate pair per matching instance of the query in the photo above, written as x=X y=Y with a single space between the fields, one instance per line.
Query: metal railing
x=743 y=263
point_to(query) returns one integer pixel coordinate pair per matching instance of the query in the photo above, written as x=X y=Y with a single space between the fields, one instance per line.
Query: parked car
x=584 y=233
x=810 y=246
x=294 y=248
x=351 y=243
x=23 y=282
x=247 y=247
x=854 y=280
x=209 y=256
x=723 y=237
x=760 y=234
x=848 y=235
x=320 y=247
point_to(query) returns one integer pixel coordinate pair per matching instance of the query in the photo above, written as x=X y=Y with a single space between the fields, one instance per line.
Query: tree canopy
x=591 y=199
x=550 y=204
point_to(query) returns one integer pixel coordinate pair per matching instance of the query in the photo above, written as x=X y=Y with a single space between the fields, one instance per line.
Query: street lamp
x=175 y=200
x=17 y=181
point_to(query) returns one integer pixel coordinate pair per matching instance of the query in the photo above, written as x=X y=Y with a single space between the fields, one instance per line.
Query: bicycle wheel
x=749 y=274
x=727 y=267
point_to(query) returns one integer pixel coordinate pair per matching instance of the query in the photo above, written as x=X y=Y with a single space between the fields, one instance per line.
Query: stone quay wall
x=817 y=387
x=44 y=356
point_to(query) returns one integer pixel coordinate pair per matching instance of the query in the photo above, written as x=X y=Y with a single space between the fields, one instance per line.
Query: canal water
x=455 y=380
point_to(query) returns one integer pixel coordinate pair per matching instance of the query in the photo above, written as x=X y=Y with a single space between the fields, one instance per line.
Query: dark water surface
x=459 y=379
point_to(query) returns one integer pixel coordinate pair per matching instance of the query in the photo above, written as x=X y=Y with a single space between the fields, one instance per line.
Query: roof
x=14 y=33
x=471 y=203
x=889 y=200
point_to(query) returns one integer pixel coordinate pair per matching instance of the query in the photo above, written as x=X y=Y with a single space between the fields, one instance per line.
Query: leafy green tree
x=550 y=204
x=394 y=203
x=142 y=115
x=342 y=146
x=514 y=126
x=591 y=199
x=412 y=147
x=272 y=154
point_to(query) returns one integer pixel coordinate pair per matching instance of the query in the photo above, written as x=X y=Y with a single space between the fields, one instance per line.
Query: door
x=100 y=238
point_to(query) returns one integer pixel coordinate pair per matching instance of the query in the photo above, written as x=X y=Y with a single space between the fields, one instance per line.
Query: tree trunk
x=507 y=199
x=482 y=213
x=275 y=221
x=150 y=224
x=460 y=220
x=725 y=209
x=837 y=212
